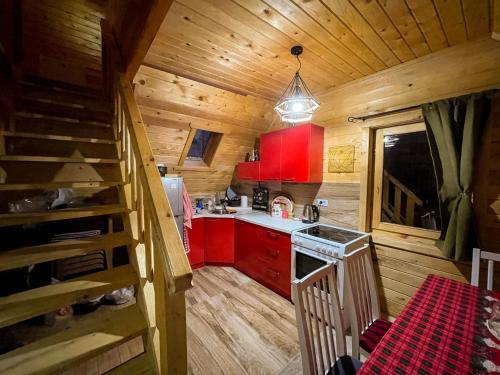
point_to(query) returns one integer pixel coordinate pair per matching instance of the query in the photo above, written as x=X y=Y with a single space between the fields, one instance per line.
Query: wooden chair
x=363 y=306
x=477 y=255
x=319 y=319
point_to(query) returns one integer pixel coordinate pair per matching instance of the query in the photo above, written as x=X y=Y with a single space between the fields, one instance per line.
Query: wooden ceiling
x=244 y=45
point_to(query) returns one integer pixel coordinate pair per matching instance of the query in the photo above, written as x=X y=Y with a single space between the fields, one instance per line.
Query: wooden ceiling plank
x=428 y=20
x=253 y=121
x=315 y=31
x=197 y=54
x=58 y=13
x=381 y=23
x=60 y=28
x=95 y=8
x=64 y=23
x=477 y=17
x=202 y=76
x=46 y=32
x=283 y=24
x=355 y=22
x=201 y=88
x=207 y=34
x=215 y=10
x=146 y=90
x=452 y=19
x=277 y=40
x=400 y=15
x=331 y=23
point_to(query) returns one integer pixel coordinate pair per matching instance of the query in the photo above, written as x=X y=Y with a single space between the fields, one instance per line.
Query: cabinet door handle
x=272 y=253
x=275 y=275
x=289 y=179
x=272 y=235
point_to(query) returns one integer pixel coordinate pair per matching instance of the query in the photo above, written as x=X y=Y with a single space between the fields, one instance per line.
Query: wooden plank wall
x=172 y=105
x=402 y=262
x=62 y=40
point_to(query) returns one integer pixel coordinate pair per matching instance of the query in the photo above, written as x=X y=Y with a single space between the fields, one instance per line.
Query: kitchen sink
x=220 y=211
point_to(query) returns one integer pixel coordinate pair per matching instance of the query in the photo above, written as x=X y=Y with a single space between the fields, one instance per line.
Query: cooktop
x=333 y=234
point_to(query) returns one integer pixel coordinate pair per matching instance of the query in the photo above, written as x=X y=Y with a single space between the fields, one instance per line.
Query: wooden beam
x=135 y=29
x=495 y=32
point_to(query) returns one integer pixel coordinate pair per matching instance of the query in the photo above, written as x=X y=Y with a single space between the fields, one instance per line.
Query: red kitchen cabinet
x=264 y=255
x=302 y=154
x=219 y=241
x=196 y=237
x=249 y=171
x=270 y=151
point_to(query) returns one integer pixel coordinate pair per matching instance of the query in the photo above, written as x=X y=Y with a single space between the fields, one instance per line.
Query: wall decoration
x=341 y=159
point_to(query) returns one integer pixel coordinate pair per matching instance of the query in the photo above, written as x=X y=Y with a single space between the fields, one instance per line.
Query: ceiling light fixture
x=297 y=103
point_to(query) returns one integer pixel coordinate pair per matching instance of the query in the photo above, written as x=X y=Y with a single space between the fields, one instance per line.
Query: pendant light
x=297 y=103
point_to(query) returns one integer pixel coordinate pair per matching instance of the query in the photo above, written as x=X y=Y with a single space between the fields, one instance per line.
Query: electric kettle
x=310 y=214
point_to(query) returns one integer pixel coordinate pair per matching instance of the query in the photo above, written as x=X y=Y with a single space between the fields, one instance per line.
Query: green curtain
x=454 y=127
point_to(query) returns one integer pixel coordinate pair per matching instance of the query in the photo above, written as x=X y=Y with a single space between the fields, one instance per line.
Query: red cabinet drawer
x=196 y=237
x=249 y=171
x=277 y=280
x=219 y=241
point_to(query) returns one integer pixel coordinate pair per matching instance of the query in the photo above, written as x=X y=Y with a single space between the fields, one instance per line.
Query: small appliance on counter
x=232 y=199
x=260 y=199
x=310 y=214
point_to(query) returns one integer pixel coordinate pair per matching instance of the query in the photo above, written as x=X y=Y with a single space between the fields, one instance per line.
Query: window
x=405 y=189
x=201 y=146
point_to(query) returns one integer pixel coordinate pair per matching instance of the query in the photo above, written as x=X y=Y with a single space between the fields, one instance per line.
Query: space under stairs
x=64 y=136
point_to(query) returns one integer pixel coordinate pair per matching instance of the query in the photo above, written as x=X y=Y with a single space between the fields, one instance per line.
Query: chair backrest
x=319 y=319
x=477 y=255
x=363 y=305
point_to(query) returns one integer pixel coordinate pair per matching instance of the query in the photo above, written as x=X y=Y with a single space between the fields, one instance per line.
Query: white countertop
x=261 y=218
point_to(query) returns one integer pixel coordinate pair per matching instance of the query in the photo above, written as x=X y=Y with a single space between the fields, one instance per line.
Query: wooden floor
x=237 y=326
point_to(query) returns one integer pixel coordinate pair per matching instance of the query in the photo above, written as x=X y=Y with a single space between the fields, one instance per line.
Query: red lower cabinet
x=196 y=237
x=264 y=255
x=219 y=241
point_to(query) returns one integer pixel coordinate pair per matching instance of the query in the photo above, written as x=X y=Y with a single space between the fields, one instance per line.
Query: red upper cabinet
x=249 y=171
x=270 y=153
x=196 y=237
x=302 y=154
x=219 y=241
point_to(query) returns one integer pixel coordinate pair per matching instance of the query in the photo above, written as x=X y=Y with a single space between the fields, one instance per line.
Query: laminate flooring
x=237 y=326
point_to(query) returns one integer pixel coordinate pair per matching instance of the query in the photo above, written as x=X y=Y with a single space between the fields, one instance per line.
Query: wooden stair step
x=54 y=137
x=57 y=159
x=60 y=95
x=62 y=214
x=53 y=109
x=62 y=184
x=26 y=256
x=65 y=349
x=139 y=365
x=32 y=80
x=36 y=118
x=25 y=305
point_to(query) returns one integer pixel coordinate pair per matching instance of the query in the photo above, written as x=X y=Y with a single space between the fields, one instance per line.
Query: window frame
x=209 y=153
x=377 y=183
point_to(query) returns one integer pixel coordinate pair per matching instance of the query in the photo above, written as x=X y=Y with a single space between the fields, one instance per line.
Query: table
x=442 y=330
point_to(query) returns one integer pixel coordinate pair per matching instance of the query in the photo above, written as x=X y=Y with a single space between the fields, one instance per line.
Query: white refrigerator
x=173 y=188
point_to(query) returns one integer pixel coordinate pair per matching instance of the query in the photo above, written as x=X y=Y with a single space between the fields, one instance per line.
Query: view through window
x=409 y=190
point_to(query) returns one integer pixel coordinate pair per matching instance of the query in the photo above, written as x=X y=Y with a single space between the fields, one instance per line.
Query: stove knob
x=330 y=252
x=324 y=250
x=318 y=248
x=335 y=252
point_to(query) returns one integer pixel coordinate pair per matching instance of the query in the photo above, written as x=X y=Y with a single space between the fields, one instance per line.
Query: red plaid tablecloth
x=442 y=330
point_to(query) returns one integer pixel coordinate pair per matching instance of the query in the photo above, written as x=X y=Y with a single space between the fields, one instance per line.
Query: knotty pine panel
x=61 y=40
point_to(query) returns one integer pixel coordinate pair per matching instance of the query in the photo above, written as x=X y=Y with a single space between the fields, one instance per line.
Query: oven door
x=305 y=261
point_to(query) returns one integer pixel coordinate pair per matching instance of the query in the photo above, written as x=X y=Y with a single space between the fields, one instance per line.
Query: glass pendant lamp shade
x=297 y=103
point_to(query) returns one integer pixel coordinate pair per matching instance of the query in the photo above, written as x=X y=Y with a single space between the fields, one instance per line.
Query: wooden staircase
x=59 y=135
x=47 y=131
